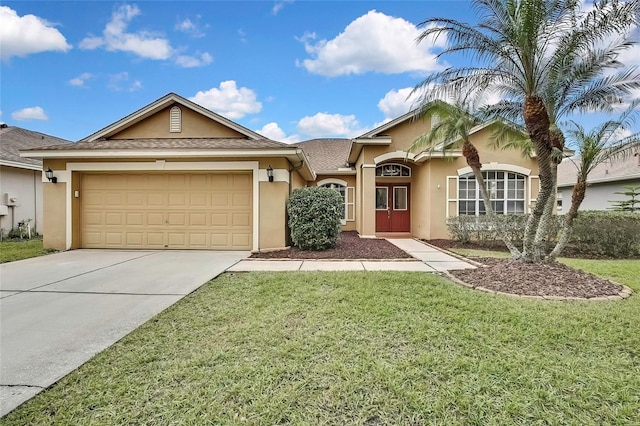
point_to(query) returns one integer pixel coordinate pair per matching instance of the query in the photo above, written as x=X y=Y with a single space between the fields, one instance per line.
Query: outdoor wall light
x=270 y=173
x=49 y=174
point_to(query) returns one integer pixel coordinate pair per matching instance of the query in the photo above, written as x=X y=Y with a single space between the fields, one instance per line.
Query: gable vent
x=175 y=120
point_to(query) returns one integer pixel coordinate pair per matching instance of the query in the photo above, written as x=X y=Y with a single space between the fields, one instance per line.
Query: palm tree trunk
x=546 y=219
x=577 y=196
x=537 y=122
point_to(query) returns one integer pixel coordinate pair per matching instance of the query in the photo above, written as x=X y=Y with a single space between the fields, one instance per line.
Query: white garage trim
x=161 y=165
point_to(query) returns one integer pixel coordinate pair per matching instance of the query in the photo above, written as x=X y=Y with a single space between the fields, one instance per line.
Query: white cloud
x=80 y=80
x=23 y=35
x=373 y=42
x=229 y=100
x=190 y=27
x=397 y=102
x=116 y=38
x=187 y=61
x=278 y=5
x=32 y=113
x=273 y=131
x=326 y=125
x=121 y=82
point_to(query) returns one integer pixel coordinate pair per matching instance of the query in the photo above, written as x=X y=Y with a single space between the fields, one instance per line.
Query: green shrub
x=314 y=217
x=606 y=233
x=594 y=233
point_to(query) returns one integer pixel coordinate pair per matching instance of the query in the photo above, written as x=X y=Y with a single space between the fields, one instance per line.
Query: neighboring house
x=603 y=182
x=21 y=178
x=176 y=175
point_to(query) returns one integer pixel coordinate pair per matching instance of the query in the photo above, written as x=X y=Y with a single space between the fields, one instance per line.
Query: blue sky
x=290 y=70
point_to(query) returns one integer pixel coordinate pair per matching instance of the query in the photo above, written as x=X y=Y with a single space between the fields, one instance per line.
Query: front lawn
x=361 y=348
x=22 y=249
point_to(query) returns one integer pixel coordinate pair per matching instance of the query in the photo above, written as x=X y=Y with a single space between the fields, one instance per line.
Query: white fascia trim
x=161 y=165
x=395 y=155
x=368 y=166
x=423 y=156
x=383 y=140
x=7 y=163
x=121 y=153
x=336 y=172
x=161 y=103
x=498 y=166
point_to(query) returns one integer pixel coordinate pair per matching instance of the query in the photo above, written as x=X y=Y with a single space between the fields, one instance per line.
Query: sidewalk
x=427 y=259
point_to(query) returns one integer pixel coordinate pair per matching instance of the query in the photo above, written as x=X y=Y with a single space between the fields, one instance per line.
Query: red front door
x=392 y=208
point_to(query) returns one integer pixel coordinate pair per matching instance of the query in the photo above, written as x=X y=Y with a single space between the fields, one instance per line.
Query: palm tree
x=546 y=58
x=450 y=132
x=595 y=147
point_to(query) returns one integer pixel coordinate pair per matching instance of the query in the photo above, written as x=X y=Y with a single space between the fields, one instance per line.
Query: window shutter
x=452 y=197
x=350 y=204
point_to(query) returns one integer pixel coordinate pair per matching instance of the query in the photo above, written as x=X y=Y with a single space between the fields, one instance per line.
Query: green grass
x=17 y=250
x=361 y=348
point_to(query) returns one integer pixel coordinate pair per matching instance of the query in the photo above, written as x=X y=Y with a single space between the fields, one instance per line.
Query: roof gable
x=123 y=128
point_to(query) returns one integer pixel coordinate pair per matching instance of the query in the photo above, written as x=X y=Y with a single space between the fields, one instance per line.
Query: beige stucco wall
x=429 y=179
x=194 y=125
x=272 y=200
x=273 y=218
x=55 y=229
x=26 y=186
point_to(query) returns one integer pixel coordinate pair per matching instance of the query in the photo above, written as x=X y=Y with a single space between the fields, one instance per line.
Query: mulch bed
x=349 y=246
x=529 y=279
x=504 y=275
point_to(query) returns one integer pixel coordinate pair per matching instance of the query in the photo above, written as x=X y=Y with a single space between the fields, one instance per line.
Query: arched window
x=393 y=170
x=342 y=190
x=506 y=191
x=175 y=120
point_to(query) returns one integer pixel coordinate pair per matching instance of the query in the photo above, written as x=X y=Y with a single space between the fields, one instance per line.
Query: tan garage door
x=159 y=211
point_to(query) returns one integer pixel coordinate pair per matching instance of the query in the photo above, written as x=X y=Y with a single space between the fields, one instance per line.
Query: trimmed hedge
x=595 y=233
x=314 y=217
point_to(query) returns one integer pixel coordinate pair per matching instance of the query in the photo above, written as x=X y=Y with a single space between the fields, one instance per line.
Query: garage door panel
x=180 y=210
x=113 y=218
x=241 y=200
x=219 y=199
x=177 y=219
x=156 y=199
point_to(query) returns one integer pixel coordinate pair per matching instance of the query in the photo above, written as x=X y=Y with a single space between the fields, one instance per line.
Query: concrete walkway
x=427 y=259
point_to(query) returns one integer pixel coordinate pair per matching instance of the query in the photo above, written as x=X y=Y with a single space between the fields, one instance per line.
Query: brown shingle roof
x=326 y=154
x=13 y=139
x=614 y=170
x=173 y=143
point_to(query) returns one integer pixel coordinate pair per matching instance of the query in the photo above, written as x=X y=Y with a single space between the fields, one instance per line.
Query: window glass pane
x=400 y=198
x=382 y=198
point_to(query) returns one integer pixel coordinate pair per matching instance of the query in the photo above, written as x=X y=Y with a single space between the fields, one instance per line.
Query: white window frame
x=505 y=200
x=400 y=166
x=386 y=188
x=406 y=199
x=348 y=195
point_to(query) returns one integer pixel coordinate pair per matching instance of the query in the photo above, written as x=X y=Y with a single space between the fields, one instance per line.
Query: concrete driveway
x=58 y=311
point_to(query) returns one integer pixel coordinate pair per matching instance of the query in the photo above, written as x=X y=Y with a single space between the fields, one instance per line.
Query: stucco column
x=368 y=207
